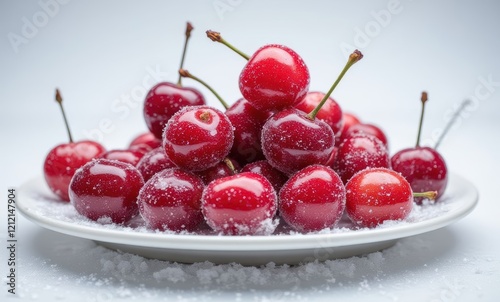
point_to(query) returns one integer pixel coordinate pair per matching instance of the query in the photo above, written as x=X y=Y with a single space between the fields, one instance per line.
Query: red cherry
x=312 y=199
x=106 y=189
x=375 y=195
x=242 y=204
x=291 y=140
x=171 y=200
x=274 y=78
x=262 y=167
x=63 y=160
x=127 y=156
x=349 y=121
x=153 y=162
x=227 y=167
x=358 y=152
x=330 y=112
x=368 y=129
x=198 y=137
x=148 y=139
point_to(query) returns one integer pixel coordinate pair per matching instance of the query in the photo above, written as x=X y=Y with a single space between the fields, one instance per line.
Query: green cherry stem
x=451 y=122
x=230 y=165
x=185 y=74
x=216 y=37
x=189 y=28
x=423 y=99
x=429 y=195
x=60 y=100
x=353 y=58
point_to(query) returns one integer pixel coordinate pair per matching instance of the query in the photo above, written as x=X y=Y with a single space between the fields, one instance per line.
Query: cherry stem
x=185 y=74
x=216 y=37
x=451 y=122
x=429 y=194
x=423 y=99
x=189 y=28
x=353 y=58
x=60 y=100
x=230 y=165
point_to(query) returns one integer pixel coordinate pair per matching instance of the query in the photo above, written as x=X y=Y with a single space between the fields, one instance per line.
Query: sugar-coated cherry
x=312 y=199
x=242 y=204
x=148 y=139
x=291 y=140
x=153 y=162
x=127 y=156
x=106 y=189
x=375 y=195
x=349 y=121
x=198 y=137
x=227 y=167
x=171 y=200
x=274 y=78
x=330 y=112
x=358 y=152
x=262 y=167
x=368 y=129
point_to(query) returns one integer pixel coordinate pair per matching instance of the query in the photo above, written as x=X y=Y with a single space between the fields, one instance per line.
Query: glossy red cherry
x=330 y=112
x=63 y=160
x=171 y=200
x=198 y=137
x=148 y=139
x=127 y=156
x=423 y=167
x=312 y=199
x=376 y=195
x=227 y=167
x=262 y=167
x=291 y=140
x=242 y=204
x=165 y=99
x=153 y=162
x=349 y=121
x=274 y=78
x=368 y=129
x=106 y=190
x=358 y=152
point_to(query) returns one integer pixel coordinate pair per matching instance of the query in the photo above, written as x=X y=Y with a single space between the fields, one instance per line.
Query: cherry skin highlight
x=312 y=199
x=274 y=78
x=262 y=167
x=368 y=129
x=171 y=200
x=198 y=137
x=424 y=168
x=148 y=139
x=153 y=162
x=164 y=100
x=106 y=189
x=375 y=195
x=62 y=162
x=127 y=156
x=330 y=112
x=220 y=170
x=242 y=204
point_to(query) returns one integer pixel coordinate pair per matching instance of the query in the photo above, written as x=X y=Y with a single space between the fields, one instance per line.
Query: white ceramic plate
x=37 y=204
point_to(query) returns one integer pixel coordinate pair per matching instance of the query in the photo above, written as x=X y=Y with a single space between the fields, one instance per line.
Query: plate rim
x=251 y=243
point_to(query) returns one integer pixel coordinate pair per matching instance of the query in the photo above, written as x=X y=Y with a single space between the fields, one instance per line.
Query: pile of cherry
x=280 y=151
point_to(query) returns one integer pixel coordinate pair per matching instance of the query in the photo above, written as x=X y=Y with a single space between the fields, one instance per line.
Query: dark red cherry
x=274 y=78
x=242 y=204
x=106 y=190
x=247 y=122
x=198 y=137
x=164 y=100
x=368 y=129
x=227 y=167
x=127 y=156
x=148 y=139
x=262 y=167
x=62 y=162
x=291 y=140
x=358 y=152
x=349 y=121
x=423 y=167
x=312 y=199
x=171 y=200
x=375 y=195
x=153 y=162
x=330 y=112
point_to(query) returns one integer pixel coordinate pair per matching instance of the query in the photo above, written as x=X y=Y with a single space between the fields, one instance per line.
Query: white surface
x=99 y=54
x=37 y=204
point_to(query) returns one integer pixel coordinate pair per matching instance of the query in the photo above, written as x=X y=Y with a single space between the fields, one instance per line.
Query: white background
x=101 y=53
